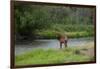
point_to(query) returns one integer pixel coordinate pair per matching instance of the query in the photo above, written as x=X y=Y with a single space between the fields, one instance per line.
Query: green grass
x=51 y=56
x=72 y=31
x=51 y=35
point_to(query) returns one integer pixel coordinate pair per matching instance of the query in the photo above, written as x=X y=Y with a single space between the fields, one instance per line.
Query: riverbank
x=70 y=54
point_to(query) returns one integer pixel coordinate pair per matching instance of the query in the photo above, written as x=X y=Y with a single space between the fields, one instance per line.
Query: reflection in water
x=50 y=43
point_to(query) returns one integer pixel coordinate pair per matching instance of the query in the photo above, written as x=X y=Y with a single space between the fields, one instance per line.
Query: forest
x=43 y=21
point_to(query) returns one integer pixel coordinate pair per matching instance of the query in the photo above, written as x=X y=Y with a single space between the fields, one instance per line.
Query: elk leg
x=65 y=43
x=60 y=45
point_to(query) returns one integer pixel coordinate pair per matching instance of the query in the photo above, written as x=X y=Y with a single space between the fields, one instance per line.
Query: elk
x=63 y=39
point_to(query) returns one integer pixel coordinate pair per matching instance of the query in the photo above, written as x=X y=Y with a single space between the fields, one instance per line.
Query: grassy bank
x=72 y=31
x=51 y=35
x=51 y=56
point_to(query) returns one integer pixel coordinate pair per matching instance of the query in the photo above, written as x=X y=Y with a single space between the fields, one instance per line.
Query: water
x=50 y=43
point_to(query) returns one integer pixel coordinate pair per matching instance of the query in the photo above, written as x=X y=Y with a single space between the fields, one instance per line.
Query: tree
x=29 y=18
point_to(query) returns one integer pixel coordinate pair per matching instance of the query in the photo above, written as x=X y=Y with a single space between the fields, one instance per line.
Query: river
x=50 y=43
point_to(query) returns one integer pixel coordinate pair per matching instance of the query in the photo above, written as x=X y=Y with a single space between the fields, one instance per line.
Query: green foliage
x=30 y=18
x=70 y=31
x=50 y=56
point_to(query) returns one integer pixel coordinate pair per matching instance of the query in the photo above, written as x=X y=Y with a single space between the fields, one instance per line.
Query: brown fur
x=63 y=40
